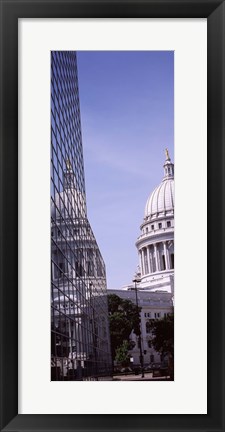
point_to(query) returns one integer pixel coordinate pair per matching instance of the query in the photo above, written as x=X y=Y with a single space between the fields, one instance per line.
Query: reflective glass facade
x=80 y=343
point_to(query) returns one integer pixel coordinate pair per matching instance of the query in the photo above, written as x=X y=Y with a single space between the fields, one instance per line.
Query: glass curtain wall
x=80 y=343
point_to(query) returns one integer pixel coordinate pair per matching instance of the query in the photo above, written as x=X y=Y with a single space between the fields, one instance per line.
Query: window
x=148 y=328
x=147 y=230
x=152 y=358
x=160 y=225
x=163 y=262
x=79 y=269
x=168 y=223
x=61 y=269
x=172 y=260
x=152 y=227
x=99 y=268
x=90 y=268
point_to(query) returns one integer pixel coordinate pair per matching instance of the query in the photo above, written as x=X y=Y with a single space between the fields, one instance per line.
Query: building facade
x=153 y=285
x=80 y=342
x=154 y=305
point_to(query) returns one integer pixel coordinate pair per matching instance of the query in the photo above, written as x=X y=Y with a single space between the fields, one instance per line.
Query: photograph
x=112 y=216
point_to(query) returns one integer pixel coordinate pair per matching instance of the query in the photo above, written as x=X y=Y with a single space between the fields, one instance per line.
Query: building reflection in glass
x=80 y=343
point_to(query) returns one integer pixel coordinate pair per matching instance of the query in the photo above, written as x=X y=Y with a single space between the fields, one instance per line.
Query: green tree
x=124 y=316
x=162 y=338
x=122 y=355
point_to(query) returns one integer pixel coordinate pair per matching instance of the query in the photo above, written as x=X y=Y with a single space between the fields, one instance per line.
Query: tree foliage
x=122 y=354
x=162 y=338
x=124 y=316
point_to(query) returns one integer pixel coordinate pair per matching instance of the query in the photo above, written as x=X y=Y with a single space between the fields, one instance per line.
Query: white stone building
x=155 y=275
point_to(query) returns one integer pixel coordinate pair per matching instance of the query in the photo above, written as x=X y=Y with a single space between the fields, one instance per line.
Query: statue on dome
x=167 y=154
x=68 y=165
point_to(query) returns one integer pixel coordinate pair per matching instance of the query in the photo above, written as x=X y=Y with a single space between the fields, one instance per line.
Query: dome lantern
x=68 y=180
x=168 y=167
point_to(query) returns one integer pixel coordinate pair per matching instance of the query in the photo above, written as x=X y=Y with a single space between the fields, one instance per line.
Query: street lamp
x=137 y=280
x=94 y=333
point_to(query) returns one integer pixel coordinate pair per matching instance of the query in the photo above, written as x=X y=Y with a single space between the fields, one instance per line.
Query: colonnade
x=156 y=257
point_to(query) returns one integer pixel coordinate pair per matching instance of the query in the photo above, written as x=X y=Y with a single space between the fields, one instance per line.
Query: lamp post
x=137 y=280
x=94 y=334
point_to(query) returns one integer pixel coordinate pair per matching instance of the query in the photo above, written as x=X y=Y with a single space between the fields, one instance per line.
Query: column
x=159 y=257
x=165 y=255
x=151 y=259
x=172 y=253
x=168 y=258
x=156 y=257
x=142 y=262
x=149 y=263
x=146 y=260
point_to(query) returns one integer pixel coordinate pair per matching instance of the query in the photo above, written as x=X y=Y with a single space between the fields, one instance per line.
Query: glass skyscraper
x=80 y=342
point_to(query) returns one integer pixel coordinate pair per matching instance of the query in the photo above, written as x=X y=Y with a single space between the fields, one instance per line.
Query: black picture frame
x=11 y=11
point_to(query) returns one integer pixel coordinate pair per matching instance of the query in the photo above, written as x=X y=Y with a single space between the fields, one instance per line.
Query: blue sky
x=127 y=118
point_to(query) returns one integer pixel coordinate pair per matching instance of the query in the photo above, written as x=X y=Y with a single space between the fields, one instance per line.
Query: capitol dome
x=70 y=203
x=161 y=200
x=156 y=242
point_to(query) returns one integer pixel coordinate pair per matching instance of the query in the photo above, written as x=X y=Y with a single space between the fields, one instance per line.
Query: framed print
x=44 y=47
x=155 y=291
